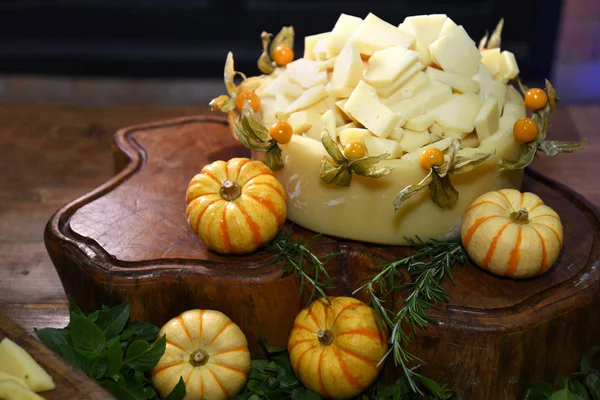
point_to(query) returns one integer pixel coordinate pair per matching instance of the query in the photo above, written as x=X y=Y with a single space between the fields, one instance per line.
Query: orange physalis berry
x=283 y=54
x=536 y=99
x=525 y=130
x=251 y=96
x=281 y=132
x=431 y=156
x=354 y=149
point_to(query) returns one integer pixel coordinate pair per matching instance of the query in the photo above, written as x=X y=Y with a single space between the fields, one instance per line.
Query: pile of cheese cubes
x=396 y=89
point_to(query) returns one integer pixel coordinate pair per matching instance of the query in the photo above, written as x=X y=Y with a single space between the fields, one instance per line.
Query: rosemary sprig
x=301 y=261
x=427 y=268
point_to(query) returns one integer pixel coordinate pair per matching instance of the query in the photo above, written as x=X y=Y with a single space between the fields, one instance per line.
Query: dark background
x=190 y=38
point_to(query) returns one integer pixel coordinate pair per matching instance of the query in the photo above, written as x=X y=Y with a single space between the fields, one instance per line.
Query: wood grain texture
x=128 y=240
x=70 y=382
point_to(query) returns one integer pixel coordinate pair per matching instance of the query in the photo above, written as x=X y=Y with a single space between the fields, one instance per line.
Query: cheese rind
x=456 y=52
x=376 y=34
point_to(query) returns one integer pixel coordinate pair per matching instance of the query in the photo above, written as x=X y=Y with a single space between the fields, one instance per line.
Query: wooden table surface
x=50 y=155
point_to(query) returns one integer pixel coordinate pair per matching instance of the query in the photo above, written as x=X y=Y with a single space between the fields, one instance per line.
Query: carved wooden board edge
x=66 y=377
x=96 y=258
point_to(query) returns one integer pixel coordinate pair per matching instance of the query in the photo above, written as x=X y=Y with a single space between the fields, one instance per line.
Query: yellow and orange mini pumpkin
x=512 y=234
x=235 y=206
x=335 y=348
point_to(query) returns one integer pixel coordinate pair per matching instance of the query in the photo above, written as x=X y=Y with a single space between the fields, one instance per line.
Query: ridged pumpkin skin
x=343 y=362
x=242 y=219
x=512 y=234
x=215 y=344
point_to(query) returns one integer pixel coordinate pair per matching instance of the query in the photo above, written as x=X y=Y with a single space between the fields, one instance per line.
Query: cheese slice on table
x=307 y=99
x=306 y=73
x=11 y=390
x=327 y=65
x=376 y=34
x=348 y=134
x=310 y=42
x=491 y=87
x=389 y=90
x=488 y=120
x=377 y=146
x=426 y=29
x=507 y=123
x=460 y=83
x=347 y=70
x=301 y=121
x=328 y=120
x=365 y=107
x=386 y=66
x=492 y=59
x=345 y=27
x=420 y=123
x=15 y=360
x=456 y=52
x=458 y=114
x=414 y=85
x=412 y=140
x=434 y=95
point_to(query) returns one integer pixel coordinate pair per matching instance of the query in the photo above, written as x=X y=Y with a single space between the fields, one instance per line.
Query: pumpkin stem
x=230 y=190
x=199 y=358
x=520 y=217
x=325 y=337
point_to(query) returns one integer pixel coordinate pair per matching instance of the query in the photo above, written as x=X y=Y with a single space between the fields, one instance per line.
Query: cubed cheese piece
x=349 y=134
x=376 y=34
x=516 y=110
x=301 y=121
x=366 y=108
x=437 y=129
x=349 y=125
x=426 y=29
x=396 y=134
x=314 y=132
x=327 y=65
x=347 y=70
x=292 y=90
x=412 y=140
x=470 y=140
x=442 y=144
x=320 y=107
x=413 y=86
x=455 y=135
x=456 y=52
x=448 y=26
x=434 y=95
x=345 y=27
x=513 y=95
x=339 y=115
x=282 y=102
x=507 y=123
x=339 y=93
x=386 y=66
x=16 y=361
x=328 y=120
x=306 y=73
x=267 y=110
x=460 y=83
x=390 y=90
x=276 y=86
x=341 y=104
x=509 y=68
x=266 y=82
x=492 y=58
x=458 y=114
x=8 y=377
x=307 y=99
x=320 y=50
x=484 y=71
x=377 y=146
x=488 y=119
x=420 y=123
x=491 y=87
x=310 y=42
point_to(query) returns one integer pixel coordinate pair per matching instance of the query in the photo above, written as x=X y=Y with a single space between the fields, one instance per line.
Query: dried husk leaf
x=285 y=36
x=522 y=87
x=443 y=193
x=335 y=174
x=265 y=63
x=495 y=39
x=483 y=41
x=229 y=74
x=273 y=157
x=554 y=147
x=466 y=164
x=552 y=97
x=367 y=166
x=524 y=159
x=449 y=165
x=222 y=103
x=251 y=84
x=541 y=119
x=411 y=190
x=332 y=148
x=254 y=123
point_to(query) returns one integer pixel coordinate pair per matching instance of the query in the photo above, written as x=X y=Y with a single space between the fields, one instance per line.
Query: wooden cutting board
x=71 y=383
x=129 y=241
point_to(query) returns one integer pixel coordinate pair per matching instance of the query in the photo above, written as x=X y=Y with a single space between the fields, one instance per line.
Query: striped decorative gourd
x=335 y=348
x=512 y=234
x=208 y=351
x=235 y=206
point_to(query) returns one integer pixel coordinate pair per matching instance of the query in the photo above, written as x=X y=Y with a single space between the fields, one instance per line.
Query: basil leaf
x=554 y=147
x=142 y=330
x=411 y=190
x=443 y=193
x=178 y=391
x=538 y=391
x=74 y=308
x=98 y=368
x=93 y=317
x=565 y=394
x=117 y=391
x=142 y=356
x=74 y=357
x=270 y=349
x=114 y=320
x=87 y=337
x=53 y=338
x=586 y=360
x=524 y=159
x=577 y=388
x=304 y=394
x=114 y=357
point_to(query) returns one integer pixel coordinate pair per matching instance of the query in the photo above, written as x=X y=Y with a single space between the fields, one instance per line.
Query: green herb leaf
x=74 y=308
x=114 y=320
x=586 y=360
x=524 y=159
x=273 y=157
x=142 y=356
x=554 y=147
x=304 y=394
x=538 y=391
x=270 y=349
x=143 y=330
x=78 y=360
x=411 y=190
x=178 y=391
x=53 y=338
x=565 y=394
x=222 y=103
x=119 y=392
x=87 y=337
x=443 y=192
x=98 y=368
x=114 y=356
